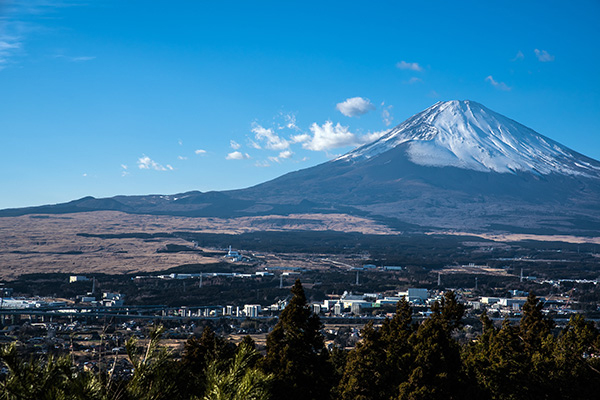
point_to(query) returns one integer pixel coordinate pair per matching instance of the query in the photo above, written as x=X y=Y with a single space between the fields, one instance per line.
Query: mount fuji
x=455 y=166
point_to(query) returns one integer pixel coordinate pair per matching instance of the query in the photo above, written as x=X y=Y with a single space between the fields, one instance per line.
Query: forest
x=401 y=359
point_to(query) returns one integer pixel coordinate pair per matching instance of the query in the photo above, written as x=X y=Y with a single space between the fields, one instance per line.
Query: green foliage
x=198 y=354
x=39 y=379
x=296 y=352
x=155 y=372
x=240 y=381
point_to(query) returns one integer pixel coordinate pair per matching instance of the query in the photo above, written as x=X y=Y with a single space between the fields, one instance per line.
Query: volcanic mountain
x=456 y=165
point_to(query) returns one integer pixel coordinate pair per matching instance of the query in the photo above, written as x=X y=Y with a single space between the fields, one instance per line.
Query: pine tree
x=296 y=353
x=198 y=353
x=533 y=326
x=436 y=370
x=240 y=380
x=365 y=373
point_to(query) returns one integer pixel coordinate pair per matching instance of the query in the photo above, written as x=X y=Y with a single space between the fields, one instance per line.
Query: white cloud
x=301 y=138
x=497 y=85
x=543 y=55
x=236 y=155
x=85 y=175
x=200 y=152
x=146 y=162
x=234 y=145
x=408 y=65
x=181 y=158
x=282 y=156
x=386 y=115
x=519 y=56
x=355 y=106
x=371 y=137
x=328 y=136
x=285 y=154
x=269 y=137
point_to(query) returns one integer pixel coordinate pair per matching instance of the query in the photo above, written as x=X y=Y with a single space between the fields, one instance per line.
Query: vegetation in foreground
x=399 y=360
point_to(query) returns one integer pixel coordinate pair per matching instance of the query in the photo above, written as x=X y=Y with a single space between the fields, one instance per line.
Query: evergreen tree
x=577 y=373
x=296 y=353
x=198 y=353
x=365 y=373
x=533 y=326
x=496 y=363
x=436 y=371
x=395 y=334
x=241 y=380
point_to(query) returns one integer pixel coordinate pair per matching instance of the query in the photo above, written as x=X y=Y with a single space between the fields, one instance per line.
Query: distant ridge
x=456 y=165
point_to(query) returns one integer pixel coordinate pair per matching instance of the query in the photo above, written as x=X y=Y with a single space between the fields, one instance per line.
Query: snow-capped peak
x=467 y=135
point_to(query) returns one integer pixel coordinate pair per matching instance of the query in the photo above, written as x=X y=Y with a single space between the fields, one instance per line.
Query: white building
x=233 y=255
x=252 y=310
x=78 y=278
x=415 y=295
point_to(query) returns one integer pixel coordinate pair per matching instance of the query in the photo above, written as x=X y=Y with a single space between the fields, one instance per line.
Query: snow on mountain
x=467 y=135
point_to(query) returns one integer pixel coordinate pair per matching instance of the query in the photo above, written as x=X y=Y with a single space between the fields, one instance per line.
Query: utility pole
x=475 y=283
x=281 y=281
x=439 y=279
x=200 y=283
x=357 y=282
x=521 y=279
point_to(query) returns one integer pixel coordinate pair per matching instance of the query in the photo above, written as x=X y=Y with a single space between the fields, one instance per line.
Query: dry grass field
x=50 y=243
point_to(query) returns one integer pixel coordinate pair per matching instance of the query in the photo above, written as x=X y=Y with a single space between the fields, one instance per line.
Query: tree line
x=401 y=359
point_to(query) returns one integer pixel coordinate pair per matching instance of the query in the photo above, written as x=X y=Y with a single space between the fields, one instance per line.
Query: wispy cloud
x=413 y=80
x=543 y=55
x=236 y=155
x=412 y=66
x=124 y=171
x=289 y=121
x=200 y=152
x=181 y=158
x=16 y=24
x=519 y=56
x=234 y=145
x=271 y=140
x=498 y=85
x=146 y=162
x=9 y=45
x=355 y=106
x=386 y=114
x=262 y=164
x=75 y=59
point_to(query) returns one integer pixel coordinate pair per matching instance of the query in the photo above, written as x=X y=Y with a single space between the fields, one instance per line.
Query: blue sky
x=137 y=97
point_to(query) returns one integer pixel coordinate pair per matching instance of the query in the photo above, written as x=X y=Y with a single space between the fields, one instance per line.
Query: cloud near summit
x=329 y=136
x=355 y=106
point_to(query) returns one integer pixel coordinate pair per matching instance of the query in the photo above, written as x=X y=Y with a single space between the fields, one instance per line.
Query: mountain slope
x=456 y=165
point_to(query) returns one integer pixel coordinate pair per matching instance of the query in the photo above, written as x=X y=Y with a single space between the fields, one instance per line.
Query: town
x=93 y=319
